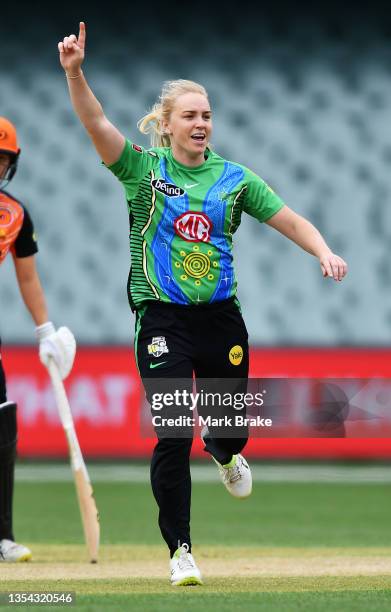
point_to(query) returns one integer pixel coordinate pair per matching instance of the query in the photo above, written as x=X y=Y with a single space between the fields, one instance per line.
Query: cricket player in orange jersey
x=17 y=237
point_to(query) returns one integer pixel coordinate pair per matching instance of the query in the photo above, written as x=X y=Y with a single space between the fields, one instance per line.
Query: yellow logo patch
x=236 y=355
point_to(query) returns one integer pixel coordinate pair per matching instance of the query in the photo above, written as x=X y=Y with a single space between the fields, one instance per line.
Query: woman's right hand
x=108 y=141
x=72 y=51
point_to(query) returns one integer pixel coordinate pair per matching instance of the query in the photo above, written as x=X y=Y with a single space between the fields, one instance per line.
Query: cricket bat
x=88 y=510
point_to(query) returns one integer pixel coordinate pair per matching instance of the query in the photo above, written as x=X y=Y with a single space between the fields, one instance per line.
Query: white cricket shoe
x=184 y=571
x=235 y=475
x=14 y=553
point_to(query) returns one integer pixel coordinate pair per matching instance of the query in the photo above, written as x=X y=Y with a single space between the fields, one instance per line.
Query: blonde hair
x=161 y=110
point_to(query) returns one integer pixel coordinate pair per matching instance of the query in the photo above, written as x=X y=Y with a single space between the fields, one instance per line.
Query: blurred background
x=303 y=98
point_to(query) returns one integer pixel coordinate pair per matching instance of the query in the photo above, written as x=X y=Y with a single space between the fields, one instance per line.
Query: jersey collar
x=190 y=168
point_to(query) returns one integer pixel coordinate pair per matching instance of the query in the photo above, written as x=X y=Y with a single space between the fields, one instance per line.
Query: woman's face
x=190 y=125
x=5 y=161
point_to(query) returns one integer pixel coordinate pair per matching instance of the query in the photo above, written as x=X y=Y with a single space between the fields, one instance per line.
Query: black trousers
x=3 y=388
x=172 y=343
x=8 y=434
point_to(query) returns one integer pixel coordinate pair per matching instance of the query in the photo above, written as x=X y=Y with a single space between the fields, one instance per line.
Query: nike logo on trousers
x=156 y=365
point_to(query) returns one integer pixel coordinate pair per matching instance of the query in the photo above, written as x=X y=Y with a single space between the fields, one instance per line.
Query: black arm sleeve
x=26 y=243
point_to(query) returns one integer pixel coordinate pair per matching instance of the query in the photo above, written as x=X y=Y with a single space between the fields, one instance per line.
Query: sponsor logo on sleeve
x=193 y=226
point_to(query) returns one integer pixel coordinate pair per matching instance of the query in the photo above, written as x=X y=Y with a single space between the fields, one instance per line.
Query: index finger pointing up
x=82 y=35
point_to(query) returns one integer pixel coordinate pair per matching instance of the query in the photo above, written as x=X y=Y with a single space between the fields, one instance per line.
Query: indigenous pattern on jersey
x=16 y=228
x=182 y=221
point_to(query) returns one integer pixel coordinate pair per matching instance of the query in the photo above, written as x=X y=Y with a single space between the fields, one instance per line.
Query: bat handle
x=61 y=397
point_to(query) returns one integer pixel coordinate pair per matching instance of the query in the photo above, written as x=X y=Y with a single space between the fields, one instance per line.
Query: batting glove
x=58 y=345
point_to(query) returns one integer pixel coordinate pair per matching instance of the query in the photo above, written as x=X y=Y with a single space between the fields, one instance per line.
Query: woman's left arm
x=31 y=289
x=303 y=233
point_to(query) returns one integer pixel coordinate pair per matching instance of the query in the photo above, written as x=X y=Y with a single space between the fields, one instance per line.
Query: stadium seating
x=300 y=108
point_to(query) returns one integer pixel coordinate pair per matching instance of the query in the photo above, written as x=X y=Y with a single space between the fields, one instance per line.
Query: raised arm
x=108 y=141
x=301 y=231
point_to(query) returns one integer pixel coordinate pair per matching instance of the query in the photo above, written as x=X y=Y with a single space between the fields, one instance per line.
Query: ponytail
x=151 y=124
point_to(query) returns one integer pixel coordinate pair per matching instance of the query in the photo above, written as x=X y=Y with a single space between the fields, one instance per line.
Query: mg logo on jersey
x=193 y=226
x=170 y=190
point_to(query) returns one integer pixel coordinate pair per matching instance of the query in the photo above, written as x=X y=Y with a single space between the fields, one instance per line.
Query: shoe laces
x=185 y=561
x=232 y=474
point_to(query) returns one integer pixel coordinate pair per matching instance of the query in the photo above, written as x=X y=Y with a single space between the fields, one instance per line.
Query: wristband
x=44 y=330
x=71 y=76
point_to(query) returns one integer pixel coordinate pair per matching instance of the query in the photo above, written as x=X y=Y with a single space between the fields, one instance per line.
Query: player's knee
x=233 y=446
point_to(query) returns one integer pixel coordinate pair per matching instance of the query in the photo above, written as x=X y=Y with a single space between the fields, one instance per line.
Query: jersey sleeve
x=26 y=242
x=134 y=163
x=261 y=202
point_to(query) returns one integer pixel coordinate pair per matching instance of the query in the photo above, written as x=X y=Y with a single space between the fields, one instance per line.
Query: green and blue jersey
x=182 y=220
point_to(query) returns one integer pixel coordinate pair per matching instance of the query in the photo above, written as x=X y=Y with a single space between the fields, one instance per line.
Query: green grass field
x=291 y=546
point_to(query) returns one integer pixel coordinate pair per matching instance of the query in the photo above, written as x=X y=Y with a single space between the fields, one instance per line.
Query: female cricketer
x=185 y=203
x=18 y=238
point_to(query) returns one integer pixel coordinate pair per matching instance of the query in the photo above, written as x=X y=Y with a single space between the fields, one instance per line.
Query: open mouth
x=199 y=137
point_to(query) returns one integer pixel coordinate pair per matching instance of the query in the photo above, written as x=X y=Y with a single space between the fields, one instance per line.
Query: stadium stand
x=306 y=108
